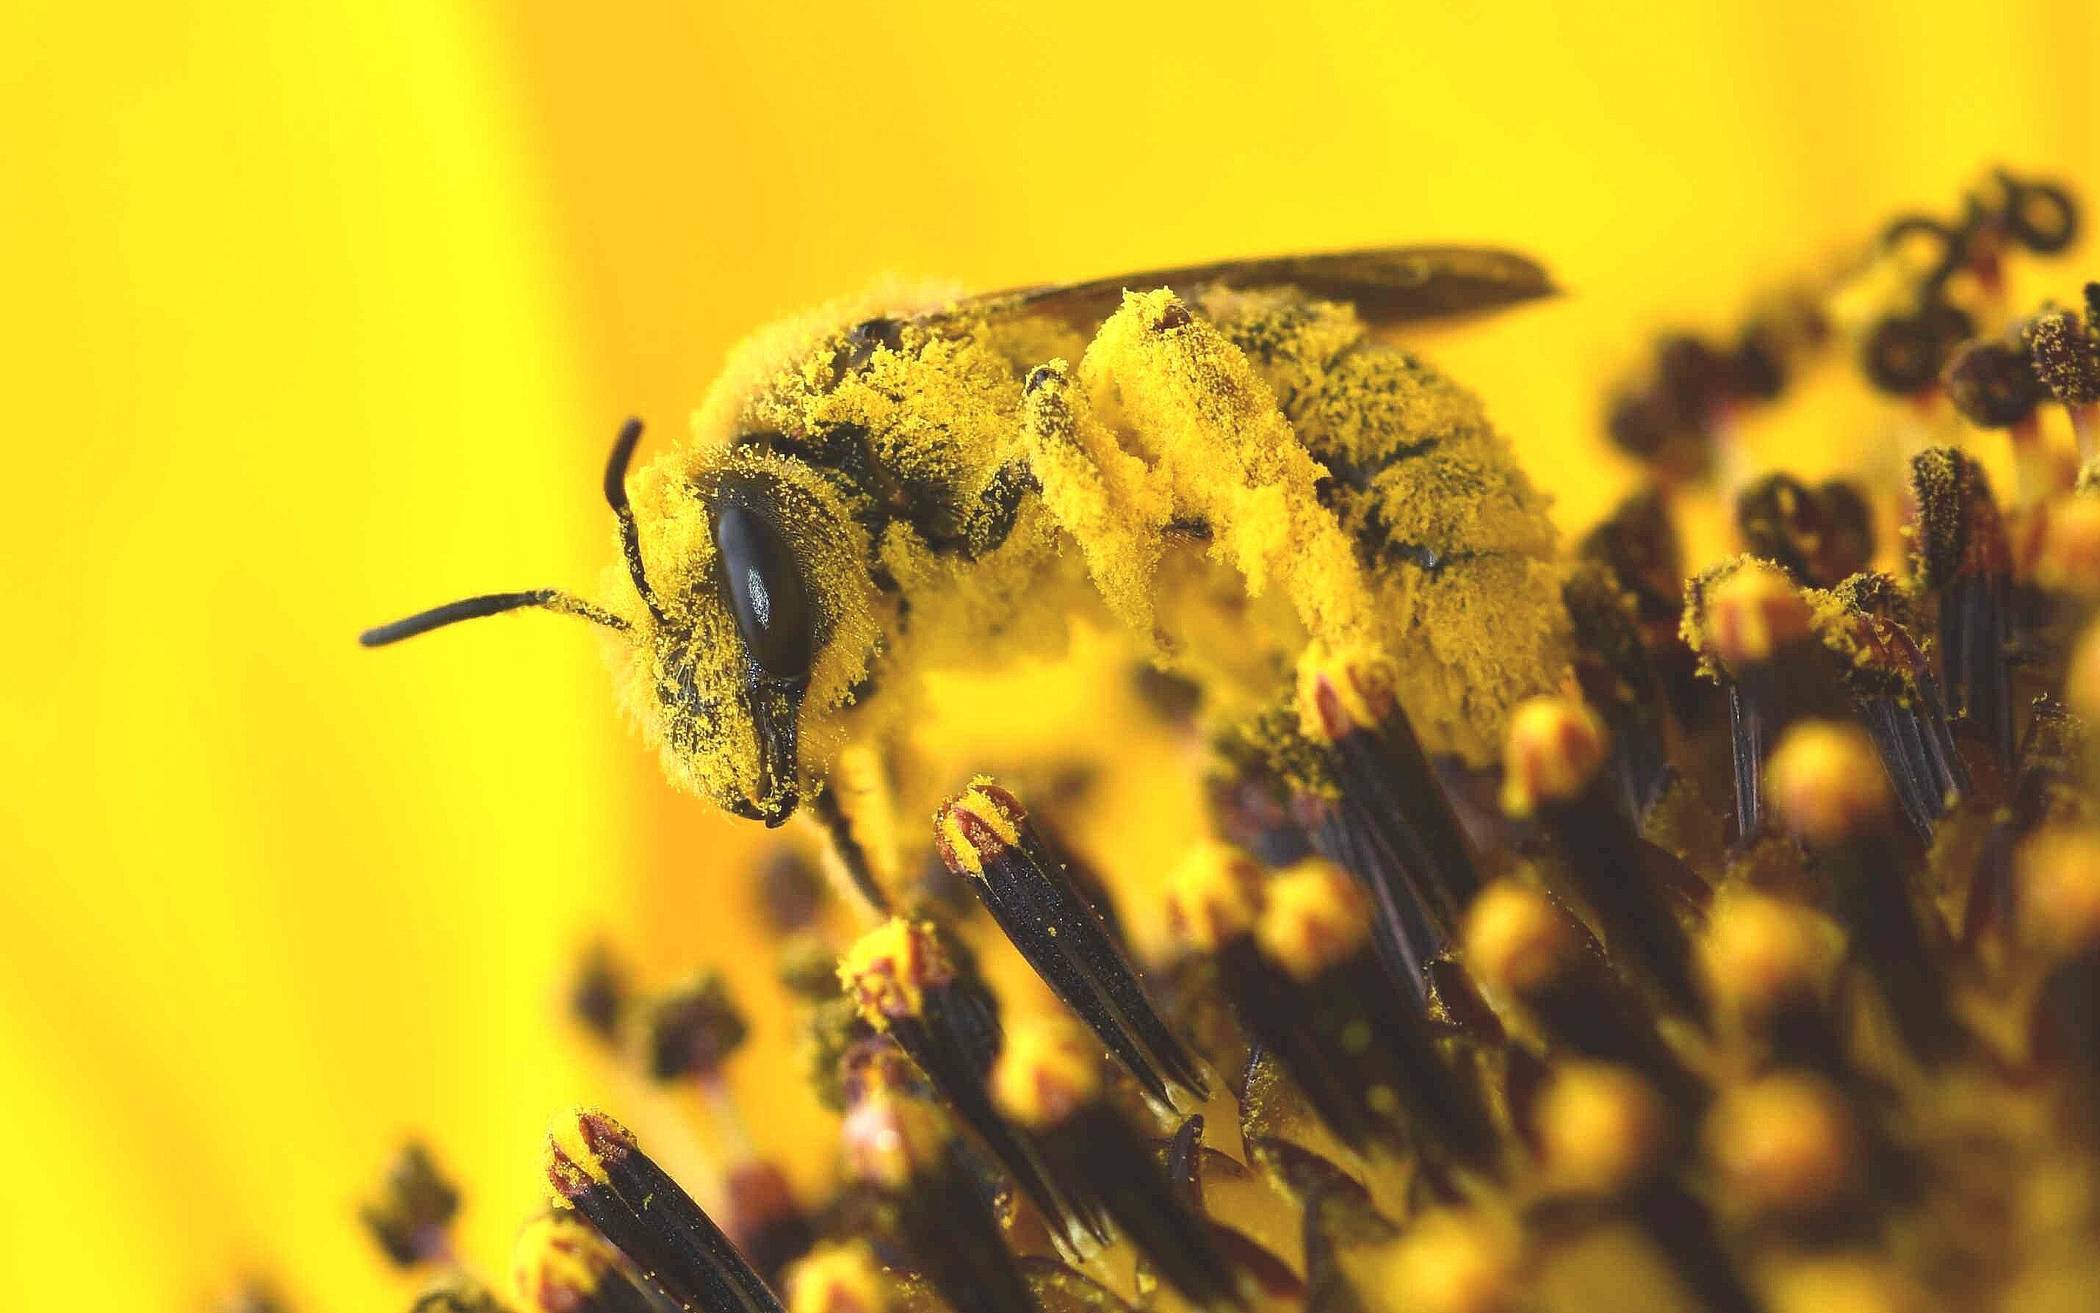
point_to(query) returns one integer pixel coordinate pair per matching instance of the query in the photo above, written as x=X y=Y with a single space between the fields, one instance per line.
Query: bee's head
x=754 y=617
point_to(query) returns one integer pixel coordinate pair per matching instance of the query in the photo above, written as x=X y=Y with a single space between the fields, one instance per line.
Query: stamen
x=1452 y=1262
x=1768 y=966
x=1618 y=677
x=1316 y=929
x=986 y=837
x=562 y=1265
x=2048 y=787
x=839 y=1278
x=1393 y=828
x=907 y=987
x=901 y=1145
x=690 y=1032
x=1605 y=1133
x=1049 y=1081
x=1862 y=627
x=1826 y=786
x=1786 y=1148
x=596 y=1168
x=2066 y=356
x=1552 y=768
x=1960 y=555
x=1754 y=636
x=1531 y=956
x=2060 y=877
x=411 y=1217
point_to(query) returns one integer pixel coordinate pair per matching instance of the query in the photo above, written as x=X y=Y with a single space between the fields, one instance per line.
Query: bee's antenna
x=616 y=497
x=473 y=608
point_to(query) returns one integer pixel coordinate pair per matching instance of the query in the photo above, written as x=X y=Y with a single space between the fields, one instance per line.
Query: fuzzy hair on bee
x=1232 y=465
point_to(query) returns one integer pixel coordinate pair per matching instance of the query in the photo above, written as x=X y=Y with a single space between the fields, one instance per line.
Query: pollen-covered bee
x=1227 y=464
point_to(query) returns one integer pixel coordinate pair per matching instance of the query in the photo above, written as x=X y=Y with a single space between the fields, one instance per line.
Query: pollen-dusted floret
x=1761 y=953
x=1452 y=1262
x=1516 y=939
x=582 y=1146
x=1785 y=1144
x=888 y=970
x=839 y=1278
x=2060 y=890
x=559 y=1263
x=1825 y=781
x=1316 y=917
x=1740 y=612
x=1047 y=1072
x=984 y=816
x=1213 y=896
x=1602 y=1129
x=1556 y=747
x=2065 y=351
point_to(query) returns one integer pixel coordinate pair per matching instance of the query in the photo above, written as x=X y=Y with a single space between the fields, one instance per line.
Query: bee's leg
x=1195 y=411
x=858 y=815
x=1102 y=496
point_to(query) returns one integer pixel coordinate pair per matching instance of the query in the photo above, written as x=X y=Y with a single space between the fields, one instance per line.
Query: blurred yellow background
x=318 y=312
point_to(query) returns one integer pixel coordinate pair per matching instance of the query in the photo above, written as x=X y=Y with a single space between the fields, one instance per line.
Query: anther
x=839 y=1278
x=595 y=1167
x=901 y=1145
x=985 y=837
x=1786 y=1147
x=561 y=1264
x=907 y=987
x=1831 y=791
x=1049 y=1080
x=1551 y=768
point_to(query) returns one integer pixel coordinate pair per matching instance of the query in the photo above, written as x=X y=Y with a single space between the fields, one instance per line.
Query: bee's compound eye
x=763 y=584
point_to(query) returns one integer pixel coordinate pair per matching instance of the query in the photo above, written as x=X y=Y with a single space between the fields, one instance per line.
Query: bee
x=1229 y=463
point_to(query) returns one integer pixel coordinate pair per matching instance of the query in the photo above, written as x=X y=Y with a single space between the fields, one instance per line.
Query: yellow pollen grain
x=1316 y=918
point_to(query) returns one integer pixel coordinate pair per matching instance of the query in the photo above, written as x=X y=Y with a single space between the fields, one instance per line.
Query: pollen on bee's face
x=1374 y=903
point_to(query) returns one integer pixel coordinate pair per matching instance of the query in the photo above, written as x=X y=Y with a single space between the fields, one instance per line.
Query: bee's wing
x=1388 y=285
